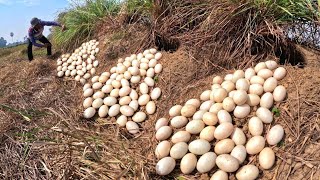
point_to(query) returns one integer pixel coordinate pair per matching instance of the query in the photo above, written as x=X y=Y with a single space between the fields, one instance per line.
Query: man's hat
x=34 y=21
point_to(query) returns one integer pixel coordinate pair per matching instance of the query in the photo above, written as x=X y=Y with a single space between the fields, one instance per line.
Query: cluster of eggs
x=121 y=92
x=203 y=134
x=81 y=63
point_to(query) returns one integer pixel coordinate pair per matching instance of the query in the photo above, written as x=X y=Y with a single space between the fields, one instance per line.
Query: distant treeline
x=3 y=43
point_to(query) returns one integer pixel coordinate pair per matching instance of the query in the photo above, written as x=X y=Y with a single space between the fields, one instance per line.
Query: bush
x=81 y=20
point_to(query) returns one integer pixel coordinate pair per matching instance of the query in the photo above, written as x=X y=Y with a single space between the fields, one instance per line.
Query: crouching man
x=35 y=33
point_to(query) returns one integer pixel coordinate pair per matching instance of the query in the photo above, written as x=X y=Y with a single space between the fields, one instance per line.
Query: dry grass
x=61 y=144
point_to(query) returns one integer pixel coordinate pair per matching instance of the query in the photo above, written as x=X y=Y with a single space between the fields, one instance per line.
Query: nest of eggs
x=198 y=123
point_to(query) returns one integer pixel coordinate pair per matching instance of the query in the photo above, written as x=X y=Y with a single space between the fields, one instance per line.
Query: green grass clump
x=285 y=11
x=81 y=21
x=143 y=7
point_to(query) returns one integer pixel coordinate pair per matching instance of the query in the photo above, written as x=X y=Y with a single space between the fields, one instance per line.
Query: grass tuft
x=81 y=21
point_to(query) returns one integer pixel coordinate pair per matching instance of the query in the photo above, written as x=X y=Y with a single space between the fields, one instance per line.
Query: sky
x=16 y=15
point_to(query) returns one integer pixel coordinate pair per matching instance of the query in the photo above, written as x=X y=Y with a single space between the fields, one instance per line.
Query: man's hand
x=63 y=28
x=46 y=45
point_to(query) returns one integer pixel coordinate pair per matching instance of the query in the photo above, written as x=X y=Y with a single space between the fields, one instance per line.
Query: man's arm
x=50 y=23
x=33 y=40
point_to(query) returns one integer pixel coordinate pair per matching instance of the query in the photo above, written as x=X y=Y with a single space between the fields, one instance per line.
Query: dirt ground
x=58 y=143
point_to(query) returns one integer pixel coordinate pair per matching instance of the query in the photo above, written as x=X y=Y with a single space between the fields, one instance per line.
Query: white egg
x=96 y=85
x=95 y=63
x=206 y=162
x=139 y=117
x=271 y=64
x=93 y=71
x=219 y=175
x=124 y=91
x=240 y=97
x=248 y=172
x=163 y=133
x=87 y=76
x=219 y=95
x=134 y=104
x=175 y=110
x=73 y=72
x=207 y=133
x=158 y=68
x=205 y=95
x=87 y=102
x=151 y=107
x=227 y=163
x=188 y=110
x=266 y=100
x=253 y=100
x=97 y=103
x=210 y=118
x=133 y=94
x=149 y=81
x=144 y=89
x=279 y=93
x=125 y=100
x=60 y=73
x=249 y=73
x=143 y=99
x=188 y=163
x=103 y=111
x=267 y=158
x=178 y=121
x=217 y=80
x=255 y=145
x=132 y=127
x=228 y=104
x=223 y=131
x=77 y=78
x=89 y=112
x=195 y=126
x=255 y=126
x=275 y=135
x=264 y=114
x=242 y=84
x=270 y=84
x=265 y=73
x=161 y=122
x=238 y=74
x=178 y=150
x=242 y=111
x=238 y=137
x=163 y=149
x=224 y=116
x=152 y=63
x=216 y=107
x=98 y=94
x=194 y=102
x=114 y=110
x=107 y=88
x=124 y=82
x=199 y=147
x=181 y=136
x=257 y=80
x=88 y=92
x=122 y=120
x=158 y=56
x=280 y=73
x=240 y=153
x=259 y=66
x=224 y=146
x=206 y=105
x=127 y=110
x=256 y=89
x=135 y=79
